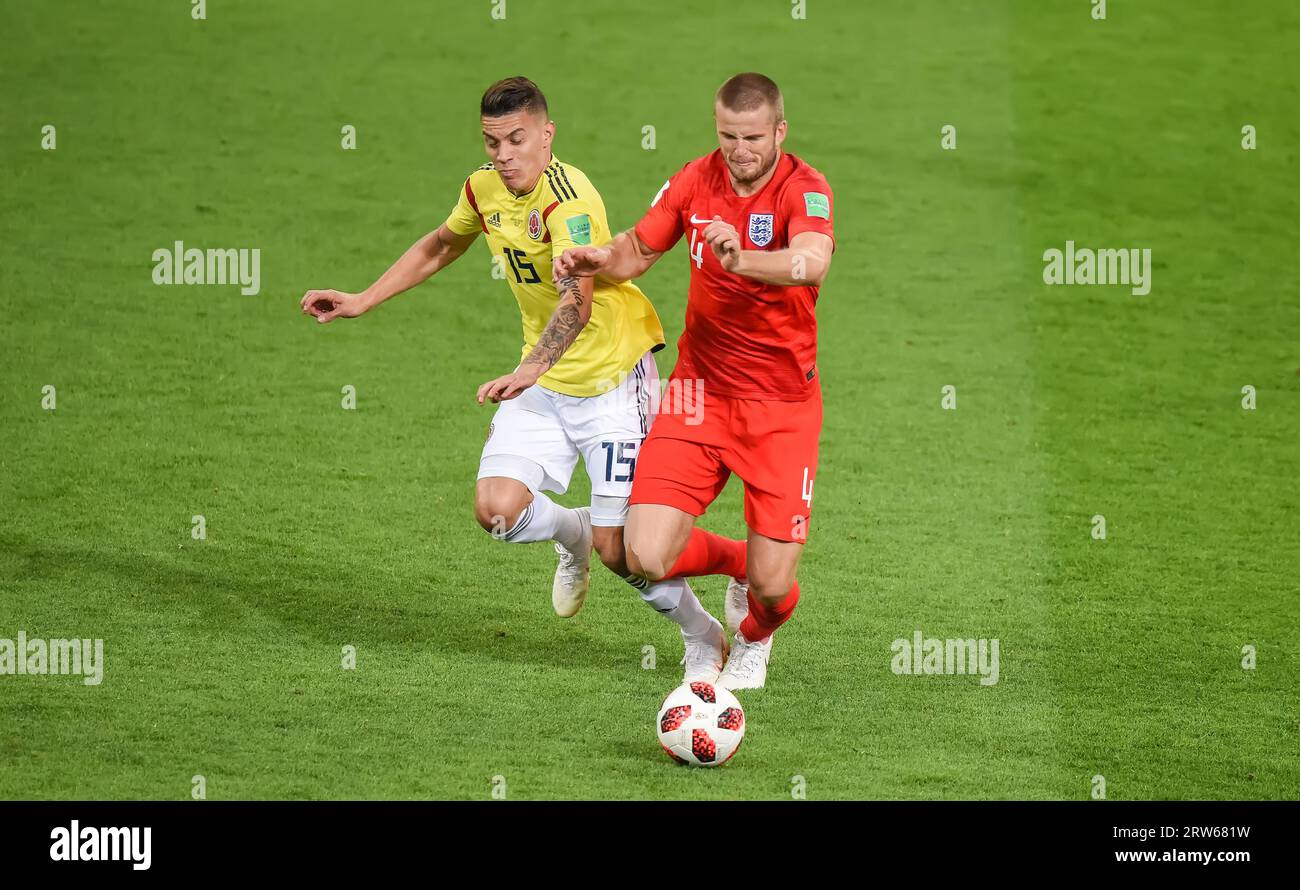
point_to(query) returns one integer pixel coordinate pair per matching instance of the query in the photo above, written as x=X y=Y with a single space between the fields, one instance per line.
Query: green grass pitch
x=326 y=527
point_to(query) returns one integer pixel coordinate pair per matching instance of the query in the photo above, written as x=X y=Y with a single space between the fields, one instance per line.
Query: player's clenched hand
x=510 y=385
x=725 y=241
x=327 y=305
x=583 y=262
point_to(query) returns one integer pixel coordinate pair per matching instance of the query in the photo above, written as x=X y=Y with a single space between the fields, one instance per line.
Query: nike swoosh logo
x=699 y=222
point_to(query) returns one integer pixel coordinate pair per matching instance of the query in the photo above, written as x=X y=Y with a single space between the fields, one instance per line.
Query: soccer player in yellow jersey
x=587 y=377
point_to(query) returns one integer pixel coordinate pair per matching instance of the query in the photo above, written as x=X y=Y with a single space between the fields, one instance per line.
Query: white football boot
x=747 y=665
x=573 y=574
x=704 y=658
x=737 y=606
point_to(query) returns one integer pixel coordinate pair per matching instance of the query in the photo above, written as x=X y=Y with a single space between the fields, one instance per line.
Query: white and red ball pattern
x=700 y=724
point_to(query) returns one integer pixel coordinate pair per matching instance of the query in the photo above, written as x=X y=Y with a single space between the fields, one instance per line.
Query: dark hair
x=749 y=91
x=511 y=95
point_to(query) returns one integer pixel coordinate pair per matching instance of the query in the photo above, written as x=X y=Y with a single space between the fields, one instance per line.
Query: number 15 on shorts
x=620 y=460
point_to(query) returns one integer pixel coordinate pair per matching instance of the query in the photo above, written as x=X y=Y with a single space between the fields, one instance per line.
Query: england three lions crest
x=760 y=229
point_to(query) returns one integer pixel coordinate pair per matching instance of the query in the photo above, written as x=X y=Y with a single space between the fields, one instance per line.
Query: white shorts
x=548 y=430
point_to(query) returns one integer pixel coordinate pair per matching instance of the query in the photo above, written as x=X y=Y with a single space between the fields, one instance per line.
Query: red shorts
x=695 y=444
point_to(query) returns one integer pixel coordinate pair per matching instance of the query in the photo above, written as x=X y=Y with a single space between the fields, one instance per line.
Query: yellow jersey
x=524 y=233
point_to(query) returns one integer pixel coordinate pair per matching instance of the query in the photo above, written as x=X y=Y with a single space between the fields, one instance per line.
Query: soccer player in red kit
x=744 y=396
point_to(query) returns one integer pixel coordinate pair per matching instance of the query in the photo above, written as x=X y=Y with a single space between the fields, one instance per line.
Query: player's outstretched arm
x=567 y=321
x=436 y=250
x=805 y=262
x=624 y=258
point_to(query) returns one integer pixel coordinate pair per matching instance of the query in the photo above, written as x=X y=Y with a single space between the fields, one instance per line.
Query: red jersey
x=744 y=338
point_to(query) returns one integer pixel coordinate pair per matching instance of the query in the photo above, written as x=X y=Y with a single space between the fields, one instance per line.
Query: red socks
x=762 y=620
x=709 y=554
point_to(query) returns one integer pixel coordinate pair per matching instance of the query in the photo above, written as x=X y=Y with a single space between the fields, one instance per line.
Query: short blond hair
x=751 y=91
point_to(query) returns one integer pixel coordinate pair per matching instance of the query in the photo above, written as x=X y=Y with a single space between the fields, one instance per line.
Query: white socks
x=674 y=598
x=545 y=520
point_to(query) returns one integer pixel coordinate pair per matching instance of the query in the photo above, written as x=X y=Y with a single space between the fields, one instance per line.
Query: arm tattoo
x=568 y=287
x=562 y=329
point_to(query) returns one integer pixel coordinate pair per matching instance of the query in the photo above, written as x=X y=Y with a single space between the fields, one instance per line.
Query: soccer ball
x=700 y=724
